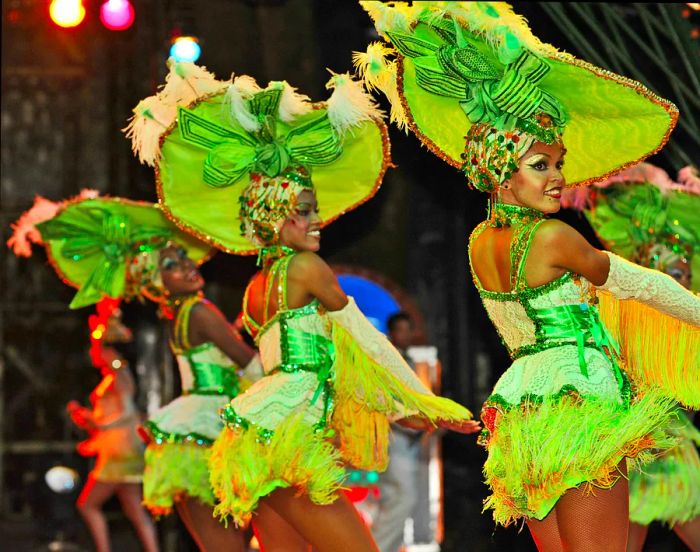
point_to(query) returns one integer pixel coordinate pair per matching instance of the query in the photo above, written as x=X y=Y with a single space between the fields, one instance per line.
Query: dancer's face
x=179 y=273
x=302 y=229
x=538 y=182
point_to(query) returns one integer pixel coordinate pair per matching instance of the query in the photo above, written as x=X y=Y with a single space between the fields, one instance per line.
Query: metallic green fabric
x=505 y=98
x=631 y=218
x=91 y=242
x=306 y=351
x=580 y=323
x=212 y=379
x=234 y=153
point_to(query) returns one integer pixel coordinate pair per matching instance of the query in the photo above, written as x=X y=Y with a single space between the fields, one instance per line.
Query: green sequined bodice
x=292 y=339
x=204 y=369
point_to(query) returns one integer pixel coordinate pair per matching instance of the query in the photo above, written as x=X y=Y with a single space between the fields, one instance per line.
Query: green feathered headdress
x=455 y=65
x=648 y=225
x=103 y=246
x=209 y=140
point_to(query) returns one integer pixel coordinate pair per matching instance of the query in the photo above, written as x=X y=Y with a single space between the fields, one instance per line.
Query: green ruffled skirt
x=549 y=428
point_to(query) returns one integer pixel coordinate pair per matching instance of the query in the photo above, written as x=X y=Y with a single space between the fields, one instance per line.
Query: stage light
x=67 y=13
x=117 y=15
x=61 y=479
x=185 y=48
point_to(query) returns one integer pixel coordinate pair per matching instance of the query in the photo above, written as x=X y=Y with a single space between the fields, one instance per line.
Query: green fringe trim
x=539 y=451
x=244 y=467
x=174 y=470
x=649 y=360
x=365 y=393
x=668 y=489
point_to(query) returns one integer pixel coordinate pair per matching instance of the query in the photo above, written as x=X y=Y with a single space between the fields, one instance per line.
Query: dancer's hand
x=462 y=426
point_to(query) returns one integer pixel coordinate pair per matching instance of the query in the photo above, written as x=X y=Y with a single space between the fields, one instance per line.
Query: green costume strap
x=519 y=249
x=208 y=378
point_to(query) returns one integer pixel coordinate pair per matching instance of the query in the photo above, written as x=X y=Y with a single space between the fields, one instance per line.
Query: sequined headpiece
x=267 y=202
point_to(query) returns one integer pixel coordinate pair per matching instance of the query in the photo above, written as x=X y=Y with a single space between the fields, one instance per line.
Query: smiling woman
x=332 y=381
x=484 y=94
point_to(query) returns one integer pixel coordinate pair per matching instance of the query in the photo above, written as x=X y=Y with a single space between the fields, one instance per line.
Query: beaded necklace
x=505 y=214
x=267 y=255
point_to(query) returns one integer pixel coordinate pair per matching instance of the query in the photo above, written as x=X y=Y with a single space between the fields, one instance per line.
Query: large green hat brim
x=612 y=227
x=76 y=272
x=613 y=122
x=212 y=213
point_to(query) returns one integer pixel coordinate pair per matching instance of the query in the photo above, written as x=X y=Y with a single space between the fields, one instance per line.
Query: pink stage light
x=117 y=15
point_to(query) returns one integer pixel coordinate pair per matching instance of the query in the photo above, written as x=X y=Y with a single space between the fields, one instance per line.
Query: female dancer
x=331 y=380
x=118 y=248
x=112 y=423
x=643 y=215
x=564 y=417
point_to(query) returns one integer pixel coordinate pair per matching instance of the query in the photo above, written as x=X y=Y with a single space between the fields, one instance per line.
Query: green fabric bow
x=270 y=150
x=105 y=240
x=506 y=98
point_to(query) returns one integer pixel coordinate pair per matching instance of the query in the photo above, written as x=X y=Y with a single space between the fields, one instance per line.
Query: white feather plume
x=151 y=118
x=349 y=105
x=293 y=104
x=246 y=85
x=237 y=96
x=187 y=82
x=396 y=16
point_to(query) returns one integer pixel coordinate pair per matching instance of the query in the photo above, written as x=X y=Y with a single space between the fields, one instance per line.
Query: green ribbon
x=107 y=239
x=505 y=98
x=235 y=152
x=582 y=323
x=308 y=352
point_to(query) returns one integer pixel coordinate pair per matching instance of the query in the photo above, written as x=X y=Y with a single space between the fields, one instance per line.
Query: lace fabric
x=627 y=280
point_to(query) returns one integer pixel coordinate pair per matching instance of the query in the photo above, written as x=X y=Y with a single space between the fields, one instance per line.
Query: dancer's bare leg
x=92 y=497
x=689 y=533
x=183 y=513
x=130 y=497
x=636 y=537
x=546 y=533
x=335 y=527
x=209 y=533
x=276 y=535
x=597 y=520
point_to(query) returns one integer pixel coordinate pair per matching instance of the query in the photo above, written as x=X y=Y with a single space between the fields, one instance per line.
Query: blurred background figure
x=398 y=485
x=111 y=423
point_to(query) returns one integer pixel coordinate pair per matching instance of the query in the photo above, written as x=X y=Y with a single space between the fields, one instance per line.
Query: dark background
x=67 y=93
